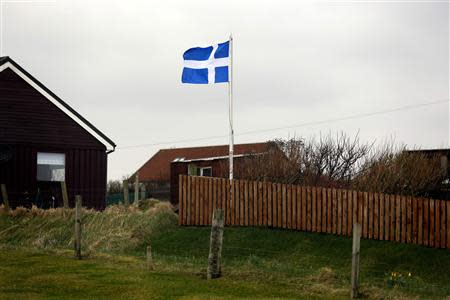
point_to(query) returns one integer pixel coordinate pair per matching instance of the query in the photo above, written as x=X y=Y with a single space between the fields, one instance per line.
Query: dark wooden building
x=156 y=173
x=44 y=141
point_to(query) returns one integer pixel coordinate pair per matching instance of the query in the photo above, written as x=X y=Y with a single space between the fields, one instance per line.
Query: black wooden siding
x=30 y=123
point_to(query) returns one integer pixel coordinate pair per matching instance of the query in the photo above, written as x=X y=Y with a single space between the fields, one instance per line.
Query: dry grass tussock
x=118 y=228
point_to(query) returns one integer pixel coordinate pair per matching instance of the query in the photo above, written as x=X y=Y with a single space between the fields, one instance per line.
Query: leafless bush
x=401 y=172
x=343 y=162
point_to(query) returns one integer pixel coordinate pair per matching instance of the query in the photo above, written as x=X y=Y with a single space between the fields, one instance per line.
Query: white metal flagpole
x=230 y=92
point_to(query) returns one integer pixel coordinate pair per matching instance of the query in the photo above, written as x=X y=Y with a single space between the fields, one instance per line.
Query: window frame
x=54 y=153
x=205 y=168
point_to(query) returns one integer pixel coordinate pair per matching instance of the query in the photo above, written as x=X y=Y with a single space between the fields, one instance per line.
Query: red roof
x=157 y=168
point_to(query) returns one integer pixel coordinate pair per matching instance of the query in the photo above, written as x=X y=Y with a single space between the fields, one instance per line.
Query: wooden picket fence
x=254 y=203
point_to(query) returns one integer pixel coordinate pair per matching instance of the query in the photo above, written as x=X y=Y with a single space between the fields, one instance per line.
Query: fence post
x=355 y=259
x=64 y=194
x=143 y=192
x=136 y=188
x=215 y=248
x=149 y=258
x=126 y=198
x=78 y=226
x=5 y=197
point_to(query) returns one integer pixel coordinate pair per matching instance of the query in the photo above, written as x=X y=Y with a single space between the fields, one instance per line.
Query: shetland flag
x=206 y=65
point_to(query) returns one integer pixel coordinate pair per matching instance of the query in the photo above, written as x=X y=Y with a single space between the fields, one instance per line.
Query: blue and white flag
x=206 y=65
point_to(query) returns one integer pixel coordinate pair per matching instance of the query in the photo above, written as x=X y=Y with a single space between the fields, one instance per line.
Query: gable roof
x=157 y=168
x=7 y=62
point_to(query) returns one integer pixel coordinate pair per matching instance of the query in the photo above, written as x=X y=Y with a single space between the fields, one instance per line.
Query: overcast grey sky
x=119 y=64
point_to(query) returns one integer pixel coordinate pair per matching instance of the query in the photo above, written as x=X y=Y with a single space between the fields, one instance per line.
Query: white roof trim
x=213 y=158
x=80 y=122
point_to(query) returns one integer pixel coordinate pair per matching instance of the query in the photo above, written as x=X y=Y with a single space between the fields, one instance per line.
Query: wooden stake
x=64 y=194
x=143 y=192
x=149 y=258
x=78 y=226
x=215 y=248
x=126 y=197
x=355 y=259
x=136 y=188
x=5 y=196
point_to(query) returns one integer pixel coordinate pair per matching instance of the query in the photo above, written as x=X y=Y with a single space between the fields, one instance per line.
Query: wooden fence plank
x=334 y=208
x=381 y=216
x=250 y=203
x=237 y=202
x=344 y=212
x=294 y=206
x=318 y=209
x=432 y=220
x=365 y=215
x=260 y=204
x=210 y=201
x=283 y=205
x=269 y=204
x=443 y=226
x=194 y=201
x=403 y=218
x=308 y=208
x=299 y=207
x=180 y=198
x=189 y=203
x=279 y=206
x=324 y=210
x=329 y=212
x=392 y=218
x=275 y=206
x=197 y=201
x=215 y=185
x=255 y=203
x=408 y=219
x=289 y=206
x=204 y=201
x=398 y=207
x=339 y=211
x=313 y=209
x=370 y=216
x=437 y=235
x=349 y=212
x=387 y=218
x=426 y=220
x=448 y=224
x=414 y=216
x=264 y=196
x=375 y=215
x=304 y=209
x=354 y=208
x=246 y=203
x=420 y=221
x=437 y=225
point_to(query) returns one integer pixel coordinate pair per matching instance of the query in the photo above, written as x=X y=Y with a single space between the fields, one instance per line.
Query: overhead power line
x=311 y=123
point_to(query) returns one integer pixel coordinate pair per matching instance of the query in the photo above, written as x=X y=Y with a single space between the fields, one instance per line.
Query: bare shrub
x=400 y=172
x=343 y=162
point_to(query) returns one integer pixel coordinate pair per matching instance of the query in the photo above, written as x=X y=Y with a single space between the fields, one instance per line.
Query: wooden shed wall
x=30 y=123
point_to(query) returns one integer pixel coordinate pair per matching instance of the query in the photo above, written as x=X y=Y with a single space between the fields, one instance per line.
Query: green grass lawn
x=36 y=260
x=257 y=263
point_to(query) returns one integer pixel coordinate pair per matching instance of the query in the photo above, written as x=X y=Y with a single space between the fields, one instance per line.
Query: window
x=207 y=172
x=51 y=166
x=193 y=170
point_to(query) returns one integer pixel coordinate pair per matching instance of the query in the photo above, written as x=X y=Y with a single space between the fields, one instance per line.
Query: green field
x=257 y=262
